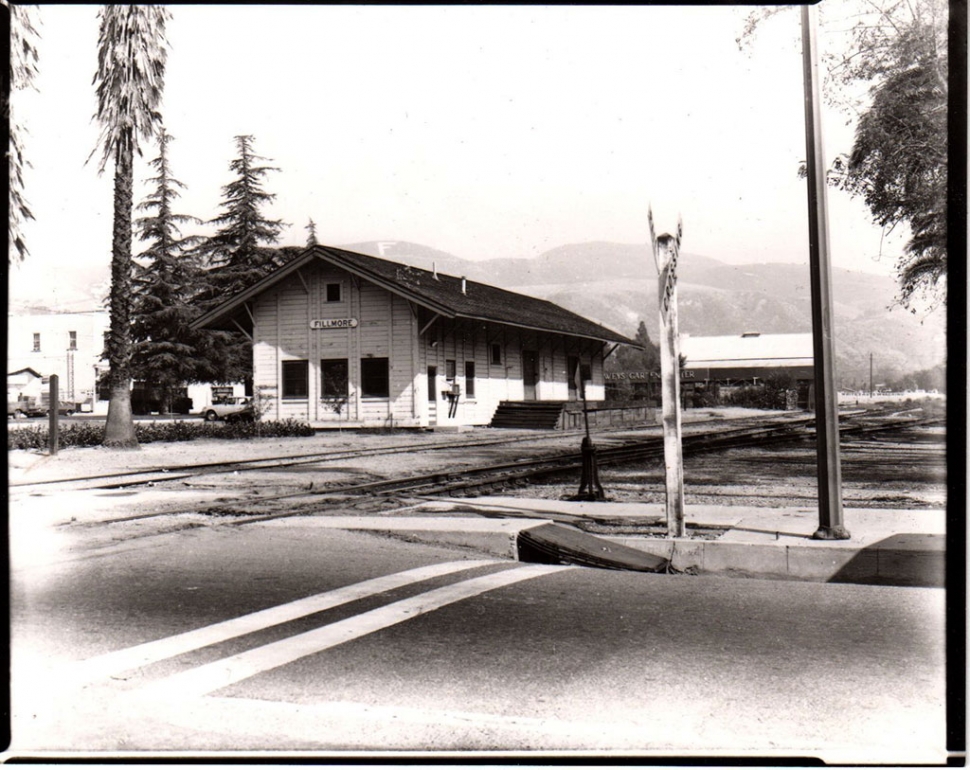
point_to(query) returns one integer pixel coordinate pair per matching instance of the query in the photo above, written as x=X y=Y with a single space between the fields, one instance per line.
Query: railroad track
x=375 y=495
x=147 y=476
x=150 y=476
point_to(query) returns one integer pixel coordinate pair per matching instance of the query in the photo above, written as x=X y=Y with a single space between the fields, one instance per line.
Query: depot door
x=432 y=395
x=530 y=374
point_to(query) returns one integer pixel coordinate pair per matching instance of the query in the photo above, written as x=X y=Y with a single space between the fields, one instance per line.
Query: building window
x=450 y=369
x=333 y=377
x=374 y=379
x=469 y=379
x=333 y=292
x=37 y=342
x=72 y=341
x=496 y=353
x=294 y=379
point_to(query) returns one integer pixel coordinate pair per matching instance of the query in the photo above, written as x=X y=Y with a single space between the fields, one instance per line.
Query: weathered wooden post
x=589 y=482
x=53 y=416
x=666 y=250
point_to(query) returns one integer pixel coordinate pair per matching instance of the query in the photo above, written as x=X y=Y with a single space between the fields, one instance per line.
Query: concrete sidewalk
x=887 y=546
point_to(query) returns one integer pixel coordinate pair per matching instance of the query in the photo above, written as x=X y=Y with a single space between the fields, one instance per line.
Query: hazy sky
x=481 y=131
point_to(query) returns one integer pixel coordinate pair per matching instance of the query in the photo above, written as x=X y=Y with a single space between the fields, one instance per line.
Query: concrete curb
x=888 y=547
x=910 y=560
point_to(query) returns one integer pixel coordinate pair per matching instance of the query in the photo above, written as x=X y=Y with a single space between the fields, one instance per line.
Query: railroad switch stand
x=590 y=488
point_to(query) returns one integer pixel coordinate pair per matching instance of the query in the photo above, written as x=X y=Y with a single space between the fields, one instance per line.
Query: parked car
x=233 y=409
x=25 y=408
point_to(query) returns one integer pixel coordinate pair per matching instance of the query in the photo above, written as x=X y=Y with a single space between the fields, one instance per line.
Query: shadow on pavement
x=907 y=559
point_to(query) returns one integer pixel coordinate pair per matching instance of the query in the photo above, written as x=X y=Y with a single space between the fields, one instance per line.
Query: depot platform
x=886 y=547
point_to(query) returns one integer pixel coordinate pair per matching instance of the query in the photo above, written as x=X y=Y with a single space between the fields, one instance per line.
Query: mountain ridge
x=616 y=285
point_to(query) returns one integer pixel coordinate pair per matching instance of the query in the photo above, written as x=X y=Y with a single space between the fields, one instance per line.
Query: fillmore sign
x=334 y=323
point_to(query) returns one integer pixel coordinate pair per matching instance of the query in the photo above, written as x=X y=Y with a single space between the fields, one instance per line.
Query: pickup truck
x=233 y=409
x=25 y=407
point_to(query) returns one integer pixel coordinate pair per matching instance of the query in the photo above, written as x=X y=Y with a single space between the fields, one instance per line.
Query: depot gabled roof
x=439 y=293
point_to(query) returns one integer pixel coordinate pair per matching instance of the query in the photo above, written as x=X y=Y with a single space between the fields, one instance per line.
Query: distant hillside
x=580 y=263
x=610 y=284
x=414 y=254
x=616 y=284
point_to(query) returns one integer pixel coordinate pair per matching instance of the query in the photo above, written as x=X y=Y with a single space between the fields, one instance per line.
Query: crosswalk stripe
x=222 y=673
x=160 y=649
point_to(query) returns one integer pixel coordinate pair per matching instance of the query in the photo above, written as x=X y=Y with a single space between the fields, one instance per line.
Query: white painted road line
x=222 y=673
x=152 y=652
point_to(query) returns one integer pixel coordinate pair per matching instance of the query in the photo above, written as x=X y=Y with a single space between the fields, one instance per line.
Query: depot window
x=374 y=378
x=294 y=379
x=470 y=379
x=496 y=353
x=333 y=377
x=333 y=292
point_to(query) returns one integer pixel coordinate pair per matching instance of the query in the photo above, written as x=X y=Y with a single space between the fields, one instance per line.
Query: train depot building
x=345 y=339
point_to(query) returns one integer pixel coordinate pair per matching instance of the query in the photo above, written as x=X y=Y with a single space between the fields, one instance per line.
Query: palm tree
x=129 y=79
x=23 y=71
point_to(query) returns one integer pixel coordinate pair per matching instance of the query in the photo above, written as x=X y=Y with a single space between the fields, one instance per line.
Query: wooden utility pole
x=666 y=250
x=53 y=416
x=830 y=525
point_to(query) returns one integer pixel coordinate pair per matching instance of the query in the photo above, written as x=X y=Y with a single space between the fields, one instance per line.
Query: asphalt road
x=155 y=645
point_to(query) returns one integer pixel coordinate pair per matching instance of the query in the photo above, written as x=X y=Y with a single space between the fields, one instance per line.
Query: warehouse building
x=341 y=338
x=714 y=363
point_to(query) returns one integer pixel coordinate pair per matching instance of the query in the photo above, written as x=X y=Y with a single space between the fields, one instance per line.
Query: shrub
x=81 y=434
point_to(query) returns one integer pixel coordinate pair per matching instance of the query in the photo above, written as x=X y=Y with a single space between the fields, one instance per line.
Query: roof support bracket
x=302 y=278
x=425 y=327
x=246 y=334
x=609 y=352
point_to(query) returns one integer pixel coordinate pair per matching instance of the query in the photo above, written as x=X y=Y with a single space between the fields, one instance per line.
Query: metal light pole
x=831 y=526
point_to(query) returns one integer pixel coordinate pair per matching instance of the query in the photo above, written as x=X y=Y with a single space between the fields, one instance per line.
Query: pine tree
x=311 y=239
x=129 y=82
x=237 y=254
x=634 y=372
x=166 y=353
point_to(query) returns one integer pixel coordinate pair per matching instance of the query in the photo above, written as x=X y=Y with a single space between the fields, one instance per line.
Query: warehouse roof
x=442 y=294
x=749 y=349
x=27 y=370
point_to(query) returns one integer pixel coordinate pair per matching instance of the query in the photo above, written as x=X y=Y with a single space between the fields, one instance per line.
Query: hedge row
x=92 y=433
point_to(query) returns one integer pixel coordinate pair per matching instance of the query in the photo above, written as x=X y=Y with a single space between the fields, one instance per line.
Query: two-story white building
x=69 y=345
x=344 y=338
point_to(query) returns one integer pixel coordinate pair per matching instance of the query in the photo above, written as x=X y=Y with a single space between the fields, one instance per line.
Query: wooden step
x=542 y=415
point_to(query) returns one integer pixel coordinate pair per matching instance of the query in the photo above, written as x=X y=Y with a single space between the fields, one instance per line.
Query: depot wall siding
x=389 y=326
